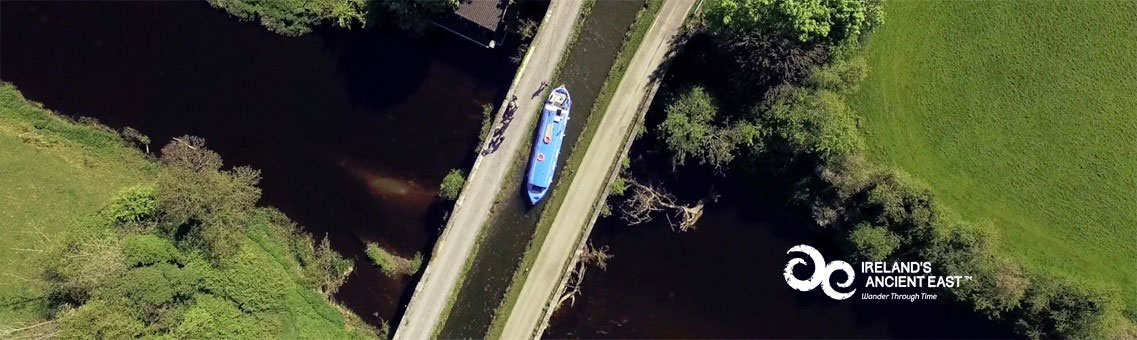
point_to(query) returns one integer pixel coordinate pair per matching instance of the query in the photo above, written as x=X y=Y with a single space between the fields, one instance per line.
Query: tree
x=452 y=185
x=296 y=17
x=804 y=20
x=873 y=243
x=812 y=121
x=689 y=131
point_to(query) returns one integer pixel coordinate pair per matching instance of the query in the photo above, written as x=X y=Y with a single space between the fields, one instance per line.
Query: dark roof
x=484 y=13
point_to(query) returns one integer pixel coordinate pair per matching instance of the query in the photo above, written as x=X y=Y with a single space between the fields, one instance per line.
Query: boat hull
x=547 y=144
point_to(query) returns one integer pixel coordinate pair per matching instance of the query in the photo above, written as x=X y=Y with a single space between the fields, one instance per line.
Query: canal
x=502 y=248
x=353 y=130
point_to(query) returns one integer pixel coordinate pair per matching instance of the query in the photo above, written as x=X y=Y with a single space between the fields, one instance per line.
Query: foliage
x=804 y=20
x=132 y=205
x=812 y=121
x=148 y=249
x=296 y=17
x=100 y=320
x=392 y=264
x=872 y=242
x=815 y=139
x=136 y=137
x=487 y=123
x=1009 y=130
x=55 y=172
x=689 y=131
x=101 y=277
x=452 y=184
x=760 y=58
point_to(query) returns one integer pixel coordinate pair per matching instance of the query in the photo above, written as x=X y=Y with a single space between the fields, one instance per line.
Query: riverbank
x=166 y=247
x=1031 y=130
x=335 y=120
x=55 y=171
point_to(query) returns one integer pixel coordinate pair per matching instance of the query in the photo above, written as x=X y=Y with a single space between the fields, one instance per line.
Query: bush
x=689 y=131
x=392 y=264
x=147 y=249
x=252 y=280
x=873 y=243
x=294 y=18
x=100 y=320
x=805 y=20
x=452 y=185
x=132 y=205
x=813 y=122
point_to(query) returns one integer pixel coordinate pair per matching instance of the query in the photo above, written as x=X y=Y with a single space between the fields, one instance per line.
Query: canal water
x=353 y=130
x=512 y=227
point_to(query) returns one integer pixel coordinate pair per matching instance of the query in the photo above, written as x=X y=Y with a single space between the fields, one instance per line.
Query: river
x=724 y=280
x=353 y=130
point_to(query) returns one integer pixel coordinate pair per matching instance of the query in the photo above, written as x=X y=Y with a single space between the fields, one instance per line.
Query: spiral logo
x=821 y=273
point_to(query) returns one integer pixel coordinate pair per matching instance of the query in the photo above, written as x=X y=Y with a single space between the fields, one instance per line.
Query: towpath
x=452 y=251
x=588 y=186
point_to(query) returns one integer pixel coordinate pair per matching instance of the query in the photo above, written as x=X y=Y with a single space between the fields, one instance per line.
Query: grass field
x=1022 y=114
x=51 y=172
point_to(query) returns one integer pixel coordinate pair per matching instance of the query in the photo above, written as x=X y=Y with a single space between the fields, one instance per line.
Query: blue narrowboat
x=546 y=148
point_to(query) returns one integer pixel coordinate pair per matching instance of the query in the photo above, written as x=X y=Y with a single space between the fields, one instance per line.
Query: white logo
x=821 y=273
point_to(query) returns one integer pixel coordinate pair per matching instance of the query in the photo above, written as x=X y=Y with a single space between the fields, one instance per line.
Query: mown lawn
x=51 y=172
x=1022 y=114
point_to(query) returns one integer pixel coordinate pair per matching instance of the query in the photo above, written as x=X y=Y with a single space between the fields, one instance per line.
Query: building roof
x=485 y=13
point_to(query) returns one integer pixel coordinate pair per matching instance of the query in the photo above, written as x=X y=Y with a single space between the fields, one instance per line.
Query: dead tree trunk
x=647 y=200
x=589 y=255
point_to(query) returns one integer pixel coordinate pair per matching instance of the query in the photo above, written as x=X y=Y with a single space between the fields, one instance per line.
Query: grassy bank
x=632 y=42
x=102 y=241
x=1019 y=114
x=54 y=171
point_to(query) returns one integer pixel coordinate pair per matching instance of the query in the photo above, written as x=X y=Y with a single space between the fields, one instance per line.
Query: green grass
x=1022 y=114
x=52 y=171
x=391 y=264
x=545 y=221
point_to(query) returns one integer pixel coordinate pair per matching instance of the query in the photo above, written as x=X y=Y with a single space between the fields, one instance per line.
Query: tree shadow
x=380 y=67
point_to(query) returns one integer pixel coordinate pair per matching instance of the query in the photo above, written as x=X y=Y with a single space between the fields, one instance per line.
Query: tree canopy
x=804 y=20
x=689 y=131
x=193 y=257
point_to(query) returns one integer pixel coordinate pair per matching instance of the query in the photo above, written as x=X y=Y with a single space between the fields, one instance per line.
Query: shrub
x=294 y=18
x=814 y=122
x=805 y=20
x=211 y=317
x=452 y=185
x=132 y=205
x=392 y=264
x=100 y=319
x=147 y=249
x=873 y=243
x=252 y=280
x=688 y=131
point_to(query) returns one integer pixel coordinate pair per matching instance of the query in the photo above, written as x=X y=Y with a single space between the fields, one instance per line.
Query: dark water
x=724 y=280
x=353 y=130
x=588 y=61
